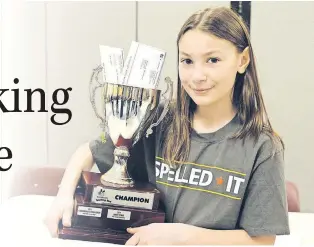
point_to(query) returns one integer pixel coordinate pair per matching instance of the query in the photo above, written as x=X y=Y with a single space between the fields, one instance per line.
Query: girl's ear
x=244 y=60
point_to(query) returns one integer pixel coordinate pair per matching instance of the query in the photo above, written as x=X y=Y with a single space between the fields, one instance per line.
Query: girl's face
x=208 y=67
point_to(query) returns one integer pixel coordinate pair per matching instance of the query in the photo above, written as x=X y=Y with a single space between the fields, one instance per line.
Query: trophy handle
x=92 y=91
x=166 y=106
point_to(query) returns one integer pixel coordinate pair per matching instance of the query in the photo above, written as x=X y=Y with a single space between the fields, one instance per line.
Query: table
x=21 y=223
x=301 y=229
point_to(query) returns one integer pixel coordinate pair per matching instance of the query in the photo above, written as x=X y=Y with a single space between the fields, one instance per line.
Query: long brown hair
x=223 y=23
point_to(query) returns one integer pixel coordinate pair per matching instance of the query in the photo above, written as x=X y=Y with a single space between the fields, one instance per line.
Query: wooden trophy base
x=103 y=213
x=94 y=235
x=90 y=215
x=141 y=195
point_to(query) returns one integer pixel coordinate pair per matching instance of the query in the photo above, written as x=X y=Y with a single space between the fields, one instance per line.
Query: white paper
x=142 y=66
x=112 y=63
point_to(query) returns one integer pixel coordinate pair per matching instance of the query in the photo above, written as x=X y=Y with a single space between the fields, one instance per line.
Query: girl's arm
x=81 y=160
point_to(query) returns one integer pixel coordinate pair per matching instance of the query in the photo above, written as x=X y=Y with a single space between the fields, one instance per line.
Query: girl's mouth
x=200 y=91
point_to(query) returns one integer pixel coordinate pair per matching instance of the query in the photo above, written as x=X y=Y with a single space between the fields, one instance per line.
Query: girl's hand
x=160 y=234
x=61 y=209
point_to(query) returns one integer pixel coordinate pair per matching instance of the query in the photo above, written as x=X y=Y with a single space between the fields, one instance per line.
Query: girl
x=216 y=159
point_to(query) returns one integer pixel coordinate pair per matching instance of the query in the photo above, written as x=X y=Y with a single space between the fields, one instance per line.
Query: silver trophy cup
x=129 y=114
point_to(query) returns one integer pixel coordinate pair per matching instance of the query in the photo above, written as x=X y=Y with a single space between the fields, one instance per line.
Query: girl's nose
x=199 y=76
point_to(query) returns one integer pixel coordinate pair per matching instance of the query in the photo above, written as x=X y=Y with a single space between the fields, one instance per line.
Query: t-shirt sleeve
x=265 y=210
x=102 y=153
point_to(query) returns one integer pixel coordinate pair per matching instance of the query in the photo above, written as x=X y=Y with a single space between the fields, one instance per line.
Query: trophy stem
x=118 y=175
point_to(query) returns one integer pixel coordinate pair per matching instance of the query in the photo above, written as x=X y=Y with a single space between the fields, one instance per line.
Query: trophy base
x=93 y=235
x=89 y=215
x=140 y=195
x=107 y=181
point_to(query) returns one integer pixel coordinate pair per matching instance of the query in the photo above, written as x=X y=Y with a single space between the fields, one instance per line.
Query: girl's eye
x=213 y=60
x=210 y=60
x=187 y=61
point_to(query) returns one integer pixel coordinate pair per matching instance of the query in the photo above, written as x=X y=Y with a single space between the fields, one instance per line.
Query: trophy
x=107 y=204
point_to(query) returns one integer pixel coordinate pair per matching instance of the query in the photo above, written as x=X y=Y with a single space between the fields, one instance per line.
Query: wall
x=283 y=38
x=55 y=44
